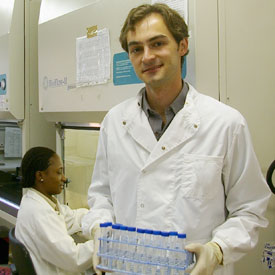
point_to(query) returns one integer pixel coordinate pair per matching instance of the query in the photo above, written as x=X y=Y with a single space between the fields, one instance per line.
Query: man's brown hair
x=174 y=22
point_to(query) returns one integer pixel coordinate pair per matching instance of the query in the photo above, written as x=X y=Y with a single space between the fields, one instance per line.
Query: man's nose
x=148 y=55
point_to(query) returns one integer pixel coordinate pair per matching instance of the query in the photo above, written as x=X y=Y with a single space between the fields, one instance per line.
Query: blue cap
x=103 y=224
x=156 y=232
x=148 y=231
x=140 y=230
x=115 y=226
x=164 y=234
x=132 y=229
x=122 y=227
x=181 y=236
x=173 y=233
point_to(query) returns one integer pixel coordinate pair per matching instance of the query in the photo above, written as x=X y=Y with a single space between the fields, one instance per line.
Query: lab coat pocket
x=200 y=176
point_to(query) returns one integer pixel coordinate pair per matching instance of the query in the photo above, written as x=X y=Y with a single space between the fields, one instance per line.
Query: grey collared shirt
x=155 y=119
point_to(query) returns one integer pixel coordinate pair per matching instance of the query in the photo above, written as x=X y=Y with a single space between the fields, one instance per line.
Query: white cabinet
x=12 y=59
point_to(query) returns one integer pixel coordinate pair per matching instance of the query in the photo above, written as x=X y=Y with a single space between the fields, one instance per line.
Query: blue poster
x=124 y=73
x=184 y=69
x=3 y=84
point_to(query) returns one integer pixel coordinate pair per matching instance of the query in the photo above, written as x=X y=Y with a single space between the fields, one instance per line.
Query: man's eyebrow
x=133 y=43
x=157 y=37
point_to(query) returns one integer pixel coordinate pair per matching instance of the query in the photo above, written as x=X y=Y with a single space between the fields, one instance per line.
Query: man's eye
x=157 y=44
x=135 y=50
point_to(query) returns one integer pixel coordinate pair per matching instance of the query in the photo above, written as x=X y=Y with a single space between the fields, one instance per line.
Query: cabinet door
x=247 y=83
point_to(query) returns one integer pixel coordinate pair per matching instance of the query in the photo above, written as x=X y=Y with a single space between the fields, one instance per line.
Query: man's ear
x=183 y=46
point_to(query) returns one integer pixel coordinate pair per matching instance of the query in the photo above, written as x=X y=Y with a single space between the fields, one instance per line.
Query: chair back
x=20 y=255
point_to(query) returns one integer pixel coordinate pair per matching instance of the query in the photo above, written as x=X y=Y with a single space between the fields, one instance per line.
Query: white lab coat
x=46 y=234
x=201 y=178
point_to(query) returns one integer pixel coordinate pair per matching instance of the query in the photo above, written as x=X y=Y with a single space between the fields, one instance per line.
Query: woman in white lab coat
x=44 y=225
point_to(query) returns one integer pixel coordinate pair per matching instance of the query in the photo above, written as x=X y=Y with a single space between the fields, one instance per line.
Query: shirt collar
x=52 y=202
x=176 y=105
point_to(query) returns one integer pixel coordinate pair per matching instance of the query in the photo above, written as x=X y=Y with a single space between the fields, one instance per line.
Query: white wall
x=247 y=82
x=37 y=131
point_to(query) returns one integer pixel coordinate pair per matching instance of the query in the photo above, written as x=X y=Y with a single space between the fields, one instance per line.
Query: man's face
x=154 y=53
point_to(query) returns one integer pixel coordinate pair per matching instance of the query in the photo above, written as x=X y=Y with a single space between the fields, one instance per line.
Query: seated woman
x=44 y=225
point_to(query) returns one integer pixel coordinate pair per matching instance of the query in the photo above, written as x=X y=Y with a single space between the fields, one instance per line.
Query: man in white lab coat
x=173 y=159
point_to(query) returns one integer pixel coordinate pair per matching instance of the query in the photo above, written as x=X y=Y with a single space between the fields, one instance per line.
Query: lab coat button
x=195 y=126
x=124 y=122
x=163 y=148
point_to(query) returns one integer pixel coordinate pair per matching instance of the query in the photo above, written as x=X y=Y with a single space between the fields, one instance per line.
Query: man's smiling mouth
x=151 y=68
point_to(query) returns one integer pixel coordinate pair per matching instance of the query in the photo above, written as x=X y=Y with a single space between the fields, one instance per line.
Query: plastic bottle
x=140 y=256
x=156 y=250
x=165 y=246
x=132 y=246
x=148 y=251
x=172 y=243
x=122 y=247
x=164 y=253
x=157 y=244
x=104 y=242
x=114 y=246
x=180 y=255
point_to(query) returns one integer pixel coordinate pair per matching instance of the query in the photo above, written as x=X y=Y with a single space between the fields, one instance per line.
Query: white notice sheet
x=93 y=59
x=181 y=6
x=13 y=143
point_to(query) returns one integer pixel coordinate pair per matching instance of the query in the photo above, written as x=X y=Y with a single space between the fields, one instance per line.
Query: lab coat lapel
x=184 y=126
x=137 y=125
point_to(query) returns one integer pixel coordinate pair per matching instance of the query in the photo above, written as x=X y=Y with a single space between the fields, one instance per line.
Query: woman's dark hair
x=36 y=159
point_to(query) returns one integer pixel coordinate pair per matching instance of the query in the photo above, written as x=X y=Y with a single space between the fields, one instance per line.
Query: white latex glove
x=208 y=256
x=95 y=235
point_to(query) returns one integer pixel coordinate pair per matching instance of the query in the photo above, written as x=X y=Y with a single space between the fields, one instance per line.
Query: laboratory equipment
x=133 y=255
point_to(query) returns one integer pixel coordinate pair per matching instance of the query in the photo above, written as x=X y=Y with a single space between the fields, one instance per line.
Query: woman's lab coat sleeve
x=57 y=247
x=73 y=218
x=247 y=196
x=99 y=194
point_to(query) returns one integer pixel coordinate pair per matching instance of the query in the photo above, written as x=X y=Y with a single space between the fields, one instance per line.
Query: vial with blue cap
x=180 y=260
x=104 y=242
x=132 y=249
x=114 y=246
x=140 y=255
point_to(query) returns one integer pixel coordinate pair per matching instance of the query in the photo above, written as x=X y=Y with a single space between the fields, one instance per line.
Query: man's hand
x=208 y=257
x=95 y=235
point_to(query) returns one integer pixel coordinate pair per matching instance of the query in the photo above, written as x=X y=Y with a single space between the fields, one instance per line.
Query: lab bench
x=10 y=197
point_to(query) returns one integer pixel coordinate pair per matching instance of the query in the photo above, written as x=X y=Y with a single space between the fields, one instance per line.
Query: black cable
x=269 y=177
